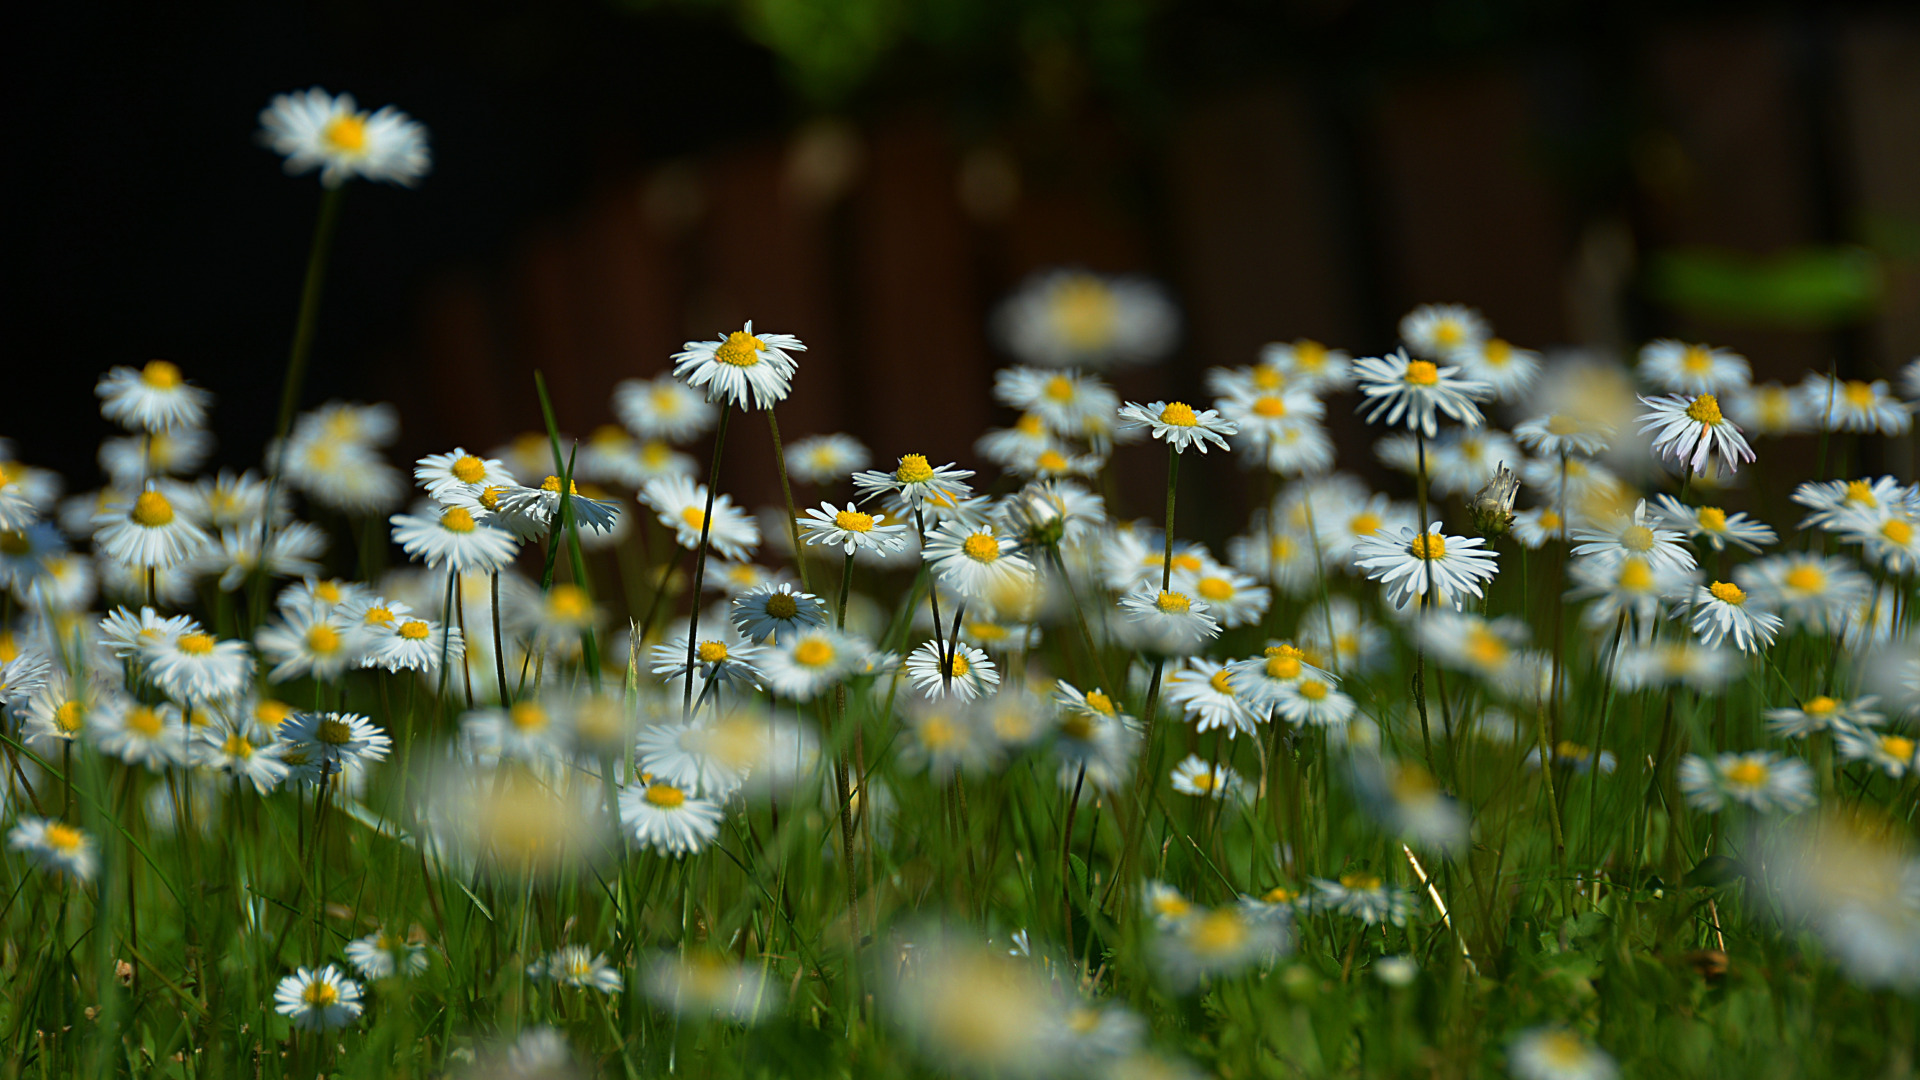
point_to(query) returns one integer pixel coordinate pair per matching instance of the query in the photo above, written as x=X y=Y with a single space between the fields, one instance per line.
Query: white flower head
x=1679 y=368
x=1437 y=331
x=314 y=129
x=154 y=398
x=1692 y=432
x=741 y=368
x=1178 y=424
x=56 y=846
x=669 y=818
x=1399 y=389
x=318 y=1000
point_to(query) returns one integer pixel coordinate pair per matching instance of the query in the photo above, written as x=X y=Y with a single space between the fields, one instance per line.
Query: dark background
x=612 y=178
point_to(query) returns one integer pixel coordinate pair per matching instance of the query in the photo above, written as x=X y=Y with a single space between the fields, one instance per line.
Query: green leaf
x=1805 y=288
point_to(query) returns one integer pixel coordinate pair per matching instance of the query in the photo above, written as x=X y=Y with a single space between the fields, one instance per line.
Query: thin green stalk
x=700 y=558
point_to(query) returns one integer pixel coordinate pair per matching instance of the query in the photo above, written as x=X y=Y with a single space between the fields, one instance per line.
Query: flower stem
x=786 y=489
x=700 y=559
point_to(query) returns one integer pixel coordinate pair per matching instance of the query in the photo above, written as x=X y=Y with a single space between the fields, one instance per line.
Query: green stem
x=700 y=561
x=786 y=489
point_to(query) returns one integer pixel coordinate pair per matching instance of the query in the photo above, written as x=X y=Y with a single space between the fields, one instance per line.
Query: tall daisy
x=682 y=506
x=668 y=818
x=454 y=540
x=961 y=670
x=1397 y=389
x=1693 y=433
x=55 y=846
x=741 y=368
x=976 y=562
x=147 y=533
x=197 y=667
x=1854 y=405
x=154 y=398
x=1506 y=369
x=1764 y=781
x=1203 y=690
x=1410 y=566
x=808 y=662
x=1168 y=622
x=314 y=129
x=335 y=741
x=1715 y=526
x=318 y=1000
x=777 y=609
x=1178 y=425
x=851 y=530
x=914 y=482
x=1721 y=611
x=437 y=472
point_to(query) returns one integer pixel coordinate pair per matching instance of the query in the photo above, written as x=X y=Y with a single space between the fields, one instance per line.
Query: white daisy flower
x=1168 y=622
x=146 y=533
x=241 y=751
x=1194 y=776
x=1633 y=585
x=1764 y=781
x=314 y=129
x=1362 y=895
x=613 y=456
x=335 y=741
x=809 y=661
x=404 y=644
x=154 y=398
x=1822 y=713
x=1679 y=368
x=59 y=711
x=1554 y=1053
x=668 y=819
x=318 y=1000
x=976 y=562
x=1891 y=539
x=340 y=475
x=1436 y=331
x=1069 y=404
x=383 y=955
x=1721 y=611
x=197 y=667
x=307 y=640
x=130 y=460
x=1894 y=754
x=850 y=529
x=1260 y=680
x=1049 y=512
x=542 y=504
x=1691 y=432
x=1024 y=441
x=1854 y=405
x=718 y=661
x=682 y=506
x=1610 y=539
x=1768 y=409
x=1412 y=566
x=1706 y=669
x=1835 y=501
x=914 y=482
x=1203 y=690
x=1312 y=702
x=741 y=368
x=1563 y=433
x=967 y=674
x=55 y=846
x=1397 y=388
x=1715 y=526
x=1403 y=797
x=777 y=609
x=824 y=459
x=455 y=541
x=529 y=730
x=1305 y=365
x=944 y=738
x=1178 y=425
x=140 y=734
x=437 y=472
x=695 y=756
x=125 y=633
x=663 y=409
x=291 y=551
x=23 y=673
x=1535 y=526
x=1067 y=318
x=1507 y=370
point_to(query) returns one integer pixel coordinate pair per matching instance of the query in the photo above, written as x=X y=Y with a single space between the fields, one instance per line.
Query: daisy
x=314 y=129
x=823 y=459
x=1633 y=535
x=125 y=633
x=740 y=368
x=701 y=985
x=1203 y=690
x=1633 y=585
x=1340 y=638
x=1260 y=680
x=1304 y=365
x=1676 y=367
x=1769 y=409
x=58 y=711
x=1165 y=904
x=1715 y=525
x=146 y=533
x=334 y=741
x=454 y=540
x=1764 y=781
x=1448 y=568
x=663 y=408
x=1094 y=748
x=1893 y=753
x=1720 y=610
x=726 y=663
x=1836 y=501
x=761 y=614
x=1046 y=513
x=1535 y=526
x=1026 y=439
x=342 y=476
x=403 y=644
x=1398 y=388
x=382 y=955
x=542 y=504
x=850 y=529
x=526 y=731
x=1854 y=405
x=1554 y=1053
x=198 y=667
x=692 y=756
x=1218 y=942
x=1822 y=713
x=154 y=398
x=1563 y=433
x=1891 y=539
x=1177 y=425
x=1436 y=331
x=945 y=738
x=1704 y=668
x=668 y=819
x=1168 y=622
x=1691 y=432
x=1509 y=371
x=292 y=551
x=574 y=965
x=1309 y=701
x=914 y=482
x=317 y=1000
x=1066 y=318
x=976 y=562
x=457 y=468
x=1362 y=895
x=1065 y=401
x=682 y=506
x=612 y=456
x=809 y=662
x=55 y=846
x=1404 y=798
x=966 y=674
x=242 y=752
x=1194 y=776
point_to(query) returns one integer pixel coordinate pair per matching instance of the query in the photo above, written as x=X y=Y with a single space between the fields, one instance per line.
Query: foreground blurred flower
x=574 y=965
x=380 y=955
x=154 y=398
x=1435 y=331
x=741 y=368
x=1676 y=367
x=317 y=1000
x=822 y=459
x=1554 y=1053
x=1859 y=888
x=314 y=129
x=55 y=846
x=1361 y=895
x=1764 y=781
x=703 y=985
x=1219 y=942
x=970 y=1010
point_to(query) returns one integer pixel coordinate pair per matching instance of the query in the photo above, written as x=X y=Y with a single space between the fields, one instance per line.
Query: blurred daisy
x=1575 y=758
x=1893 y=754
x=1535 y=526
x=1817 y=591
x=823 y=459
x=1676 y=367
x=1312 y=702
x=1764 y=781
x=1436 y=331
x=719 y=662
x=343 y=476
x=1715 y=526
x=1217 y=942
x=528 y=730
x=1203 y=691
x=1305 y=365
x=1854 y=405
x=1362 y=895
x=1554 y=1053
x=976 y=562
x=382 y=955
x=776 y=609
x=850 y=529
x=1721 y=611
x=241 y=751
x=966 y=674
x=332 y=742
x=1046 y=513
x=1410 y=566
x=1704 y=668
x=154 y=398
x=1065 y=401
x=291 y=551
x=1260 y=680
x=1835 y=501
x=663 y=408
x=314 y=129
x=1396 y=388
x=317 y=1000
x=1178 y=425
x=1509 y=371
x=668 y=818
x=1891 y=539
x=810 y=661
x=1769 y=409
x=1404 y=798
x=741 y=368
x=577 y=966
x=1169 y=622
x=944 y=738
x=692 y=756
x=1563 y=433
x=1822 y=713
x=1194 y=776
x=197 y=667
x=54 y=845
x=1166 y=905
x=914 y=482
x=146 y=533
x=681 y=504
x=1691 y=432
x=454 y=540
x=1634 y=535
x=437 y=472
x=701 y=984
x=1067 y=318
x=1233 y=598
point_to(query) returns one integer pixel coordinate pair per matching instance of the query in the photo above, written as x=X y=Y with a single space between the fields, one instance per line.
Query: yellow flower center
x=1496 y=353
x=1820 y=706
x=1178 y=414
x=1059 y=388
x=1282 y=666
x=552 y=483
x=853 y=521
x=528 y=717
x=378 y=616
x=1713 y=519
x=468 y=469
x=1217 y=932
x=1747 y=772
x=1806 y=578
x=1030 y=425
x=913 y=469
x=569 y=603
x=958 y=667
x=327 y=591
x=64 y=838
x=665 y=796
x=70 y=717
x=160 y=375
x=1429 y=546
x=1549 y=521
x=144 y=721
x=1313 y=689
x=1214 y=588
x=1218 y=680
x=782 y=606
x=741 y=349
x=1898 y=531
x=1696 y=360
x=323 y=640
x=333 y=731
x=270 y=712
x=1897 y=746
x=346 y=134
x=1360 y=881
x=1365 y=524
x=490 y=496
x=981 y=547
x=1637 y=538
x=712 y=652
x=1858 y=394
x=1635 y=575
x=1563 y=1049
x=457 y=520
x=1171 y=905
x=1422 y=373
x=1051 y=461
x=938 y=732
x=1267 y=378
x=1310 y=355
x=1706 y=409
x=1280 y=894
x=414 y=630
x=152 y=510
x=1727 y=592
x=1084 y=311
x=1861 y=493
x=1486 y=649
x=1269 y=406
x=813 y=652
x=1173 y=603
x=237 y=746
x=1100 y=703
x=196 y=644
